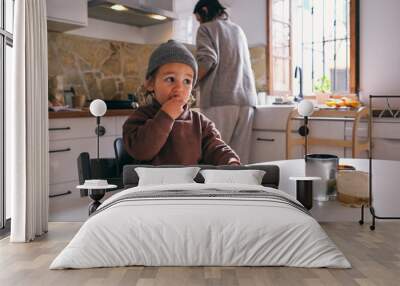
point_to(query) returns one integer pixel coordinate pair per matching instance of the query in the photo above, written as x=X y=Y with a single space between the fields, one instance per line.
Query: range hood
x=128 y=12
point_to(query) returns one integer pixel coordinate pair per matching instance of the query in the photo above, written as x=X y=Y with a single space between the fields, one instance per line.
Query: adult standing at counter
x=227 y=87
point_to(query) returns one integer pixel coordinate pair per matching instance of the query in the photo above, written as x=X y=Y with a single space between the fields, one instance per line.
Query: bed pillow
x=248 y=177
x=164 y=176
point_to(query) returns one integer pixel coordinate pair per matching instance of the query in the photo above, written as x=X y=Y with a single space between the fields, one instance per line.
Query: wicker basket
x=352 y=188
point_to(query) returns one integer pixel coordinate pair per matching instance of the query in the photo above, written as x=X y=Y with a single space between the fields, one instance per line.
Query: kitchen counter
x=86 y=113
x=281 y=111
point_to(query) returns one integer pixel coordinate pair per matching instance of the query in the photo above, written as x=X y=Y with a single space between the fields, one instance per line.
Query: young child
x=167 y=131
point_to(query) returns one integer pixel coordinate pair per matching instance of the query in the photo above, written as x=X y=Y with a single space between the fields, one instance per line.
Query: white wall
x=379 y=48
x=157 y=34
x=251 y=16
x=185 y=28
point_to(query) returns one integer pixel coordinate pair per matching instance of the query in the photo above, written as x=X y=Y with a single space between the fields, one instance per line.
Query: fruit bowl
x=343 y=102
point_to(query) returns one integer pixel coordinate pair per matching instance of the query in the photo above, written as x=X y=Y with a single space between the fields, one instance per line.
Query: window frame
x=270 y=55
x=6 y=39
x=354 y=68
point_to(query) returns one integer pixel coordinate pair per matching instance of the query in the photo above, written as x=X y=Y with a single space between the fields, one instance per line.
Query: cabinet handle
x=265 y=139
x=391 y=139
x=59 y=128
x=62 y=194
x=60 y=150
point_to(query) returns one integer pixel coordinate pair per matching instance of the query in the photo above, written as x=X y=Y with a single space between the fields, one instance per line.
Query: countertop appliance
x=119 y=104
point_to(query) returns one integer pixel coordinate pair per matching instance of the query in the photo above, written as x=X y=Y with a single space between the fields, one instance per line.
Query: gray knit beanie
x=171 y=52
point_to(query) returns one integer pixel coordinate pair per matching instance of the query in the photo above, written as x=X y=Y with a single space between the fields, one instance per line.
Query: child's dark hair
x=214 y=10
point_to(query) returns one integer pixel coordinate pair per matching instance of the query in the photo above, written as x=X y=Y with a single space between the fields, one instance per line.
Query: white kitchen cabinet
x=71 y=136
x=386 y=148
x=83 y=127
x=271 y=117
x=386 y=128
x=385 y=138
x=269 y=135
x=64 y=154
x=267 y=146
x=62 y=188
x=66 y=15
x=271 y=146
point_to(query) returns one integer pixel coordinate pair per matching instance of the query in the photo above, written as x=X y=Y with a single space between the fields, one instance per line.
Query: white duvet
x=200 y=231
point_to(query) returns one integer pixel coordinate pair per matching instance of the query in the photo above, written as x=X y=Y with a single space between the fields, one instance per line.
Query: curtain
x=27 y=124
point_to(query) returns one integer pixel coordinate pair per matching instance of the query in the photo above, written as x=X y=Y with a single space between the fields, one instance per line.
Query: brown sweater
x=152 y=136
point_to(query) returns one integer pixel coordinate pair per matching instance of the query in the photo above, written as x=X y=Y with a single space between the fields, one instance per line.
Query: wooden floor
x=375 y=257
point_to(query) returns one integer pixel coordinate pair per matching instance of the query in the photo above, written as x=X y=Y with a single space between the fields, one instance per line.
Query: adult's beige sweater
x=223 y=52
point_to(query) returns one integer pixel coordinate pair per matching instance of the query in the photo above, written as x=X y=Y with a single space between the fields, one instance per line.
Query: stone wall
x=108 y=69
x=98 y=68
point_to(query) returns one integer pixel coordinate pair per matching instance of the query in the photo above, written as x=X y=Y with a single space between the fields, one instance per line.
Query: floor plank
x=375 y=257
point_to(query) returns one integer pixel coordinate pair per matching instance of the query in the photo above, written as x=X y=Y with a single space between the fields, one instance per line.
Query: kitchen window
x=320 y=37
x=6 y=65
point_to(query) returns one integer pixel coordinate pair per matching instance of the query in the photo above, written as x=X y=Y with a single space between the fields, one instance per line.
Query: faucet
x=298 y=71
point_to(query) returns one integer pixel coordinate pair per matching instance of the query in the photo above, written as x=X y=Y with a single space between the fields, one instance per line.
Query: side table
x=304 y=190
x=96 y=193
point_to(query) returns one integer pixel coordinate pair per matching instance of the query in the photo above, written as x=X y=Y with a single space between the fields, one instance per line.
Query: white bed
x=202 y=231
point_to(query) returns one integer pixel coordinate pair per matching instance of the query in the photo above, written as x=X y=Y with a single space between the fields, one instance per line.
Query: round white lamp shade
x=98 y=107
x=305 y=108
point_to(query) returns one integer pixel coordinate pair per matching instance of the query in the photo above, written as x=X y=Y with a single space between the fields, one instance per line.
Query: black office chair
x=104 y=168
x=109 y=169
x=122 y=157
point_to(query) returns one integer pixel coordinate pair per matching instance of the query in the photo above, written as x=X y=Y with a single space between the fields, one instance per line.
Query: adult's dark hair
x=214 y=10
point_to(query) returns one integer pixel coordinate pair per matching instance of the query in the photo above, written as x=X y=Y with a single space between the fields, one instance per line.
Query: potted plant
x=322 y=89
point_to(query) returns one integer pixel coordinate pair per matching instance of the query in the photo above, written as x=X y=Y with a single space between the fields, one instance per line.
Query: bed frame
x=131 y=178
x=270 y=179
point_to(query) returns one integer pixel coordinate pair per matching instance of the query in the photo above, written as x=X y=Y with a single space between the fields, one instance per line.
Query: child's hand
x=174 y=106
